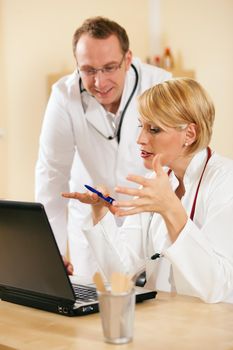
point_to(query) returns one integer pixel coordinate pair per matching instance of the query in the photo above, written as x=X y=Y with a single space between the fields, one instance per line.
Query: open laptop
x=32 y=272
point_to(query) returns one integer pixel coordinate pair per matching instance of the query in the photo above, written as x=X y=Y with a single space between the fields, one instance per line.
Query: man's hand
x=69 y=267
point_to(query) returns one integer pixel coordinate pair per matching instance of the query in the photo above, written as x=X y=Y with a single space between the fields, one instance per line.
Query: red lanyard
x=209 y=154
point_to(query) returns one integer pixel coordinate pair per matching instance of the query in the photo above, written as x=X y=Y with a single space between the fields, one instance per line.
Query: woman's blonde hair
x=176 y=103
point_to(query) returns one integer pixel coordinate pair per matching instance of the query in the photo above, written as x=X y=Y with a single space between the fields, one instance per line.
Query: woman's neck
x=180 y=166
x=180 y=191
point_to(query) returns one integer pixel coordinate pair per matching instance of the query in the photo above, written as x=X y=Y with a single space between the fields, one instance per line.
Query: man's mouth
x=102 y=93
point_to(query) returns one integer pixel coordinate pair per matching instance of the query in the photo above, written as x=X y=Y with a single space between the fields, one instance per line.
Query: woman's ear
x=190 y=134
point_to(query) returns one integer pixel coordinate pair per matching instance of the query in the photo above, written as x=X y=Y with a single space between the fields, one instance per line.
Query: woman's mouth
x=145 y=154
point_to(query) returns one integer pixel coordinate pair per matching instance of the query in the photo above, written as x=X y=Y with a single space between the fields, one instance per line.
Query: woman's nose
x=142 y=137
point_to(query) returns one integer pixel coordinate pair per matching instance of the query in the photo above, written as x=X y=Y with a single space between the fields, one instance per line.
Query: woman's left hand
x=153 y=195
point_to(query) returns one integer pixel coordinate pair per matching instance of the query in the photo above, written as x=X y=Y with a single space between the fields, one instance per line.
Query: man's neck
x=113 y=107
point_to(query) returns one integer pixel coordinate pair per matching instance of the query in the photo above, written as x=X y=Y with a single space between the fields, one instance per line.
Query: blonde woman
x=182 y=213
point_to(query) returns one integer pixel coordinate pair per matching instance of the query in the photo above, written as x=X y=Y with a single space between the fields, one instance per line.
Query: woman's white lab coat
x=71 y=139
x=200 y=261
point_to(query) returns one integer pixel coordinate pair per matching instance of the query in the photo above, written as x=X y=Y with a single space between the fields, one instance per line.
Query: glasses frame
x=91 y=72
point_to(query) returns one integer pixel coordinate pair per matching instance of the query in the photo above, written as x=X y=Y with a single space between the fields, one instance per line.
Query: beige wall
x=200 y=33
x=35 y=40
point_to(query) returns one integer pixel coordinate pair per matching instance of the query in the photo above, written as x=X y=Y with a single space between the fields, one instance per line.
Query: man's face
x=106 y=86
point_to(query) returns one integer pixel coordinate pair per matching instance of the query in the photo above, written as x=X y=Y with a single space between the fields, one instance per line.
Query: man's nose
x=99 y=78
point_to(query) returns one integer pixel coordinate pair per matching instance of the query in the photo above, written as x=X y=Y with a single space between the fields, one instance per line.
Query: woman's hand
x=154 y=195
x=99 y=206
x=86 y=198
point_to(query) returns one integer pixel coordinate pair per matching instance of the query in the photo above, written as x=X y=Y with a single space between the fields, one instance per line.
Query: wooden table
x=169 y=322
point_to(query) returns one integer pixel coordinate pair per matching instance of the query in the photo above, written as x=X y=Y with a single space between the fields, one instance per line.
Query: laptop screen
x=29 y=256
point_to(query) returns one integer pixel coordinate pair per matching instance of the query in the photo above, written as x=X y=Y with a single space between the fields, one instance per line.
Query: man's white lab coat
x=71 y=138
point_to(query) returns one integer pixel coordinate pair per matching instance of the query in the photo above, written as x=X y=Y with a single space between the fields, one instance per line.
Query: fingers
x=73 y=195
x=126 y=190
x=140 y=180
x=103 y=190
x=157 y=166
x=92 y=196
x=69 y=267
x=137 y=192
x=124 y=204
x=132 y=211
x=112 y=209
x=87 y=197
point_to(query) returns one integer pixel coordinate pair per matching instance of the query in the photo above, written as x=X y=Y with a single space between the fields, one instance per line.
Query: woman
x=182 y=211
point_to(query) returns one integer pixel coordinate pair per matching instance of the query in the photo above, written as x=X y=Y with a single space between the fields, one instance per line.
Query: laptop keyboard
x=84 y=293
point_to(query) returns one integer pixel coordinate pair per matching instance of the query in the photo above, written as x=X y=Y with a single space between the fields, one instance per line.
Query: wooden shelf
x=181 y=73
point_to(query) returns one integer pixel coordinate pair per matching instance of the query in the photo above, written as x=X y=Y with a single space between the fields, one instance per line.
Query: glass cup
x=117 y=316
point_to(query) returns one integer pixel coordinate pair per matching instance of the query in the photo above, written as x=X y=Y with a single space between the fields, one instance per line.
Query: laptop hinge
x=36 y=300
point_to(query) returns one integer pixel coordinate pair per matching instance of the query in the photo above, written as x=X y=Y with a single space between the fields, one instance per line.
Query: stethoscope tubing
x=118 y=133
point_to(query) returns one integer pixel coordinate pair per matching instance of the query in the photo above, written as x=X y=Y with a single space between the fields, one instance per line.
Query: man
x=89 y=130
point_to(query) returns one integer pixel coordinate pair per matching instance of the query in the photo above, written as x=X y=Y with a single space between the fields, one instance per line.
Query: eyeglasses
x=106 y=70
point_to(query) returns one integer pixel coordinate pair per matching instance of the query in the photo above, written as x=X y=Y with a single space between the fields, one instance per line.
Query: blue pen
x=107 y=199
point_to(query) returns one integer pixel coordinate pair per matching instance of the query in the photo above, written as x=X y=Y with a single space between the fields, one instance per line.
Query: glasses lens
x=106 y=70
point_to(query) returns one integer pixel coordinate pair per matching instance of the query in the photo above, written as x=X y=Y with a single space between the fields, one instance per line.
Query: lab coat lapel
x=95 y=115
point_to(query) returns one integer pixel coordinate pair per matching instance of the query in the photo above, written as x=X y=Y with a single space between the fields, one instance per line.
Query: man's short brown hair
x=102 y=28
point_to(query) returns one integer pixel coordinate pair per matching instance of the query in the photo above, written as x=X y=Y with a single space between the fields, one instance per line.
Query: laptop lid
x=30 y=262
x=32 y=272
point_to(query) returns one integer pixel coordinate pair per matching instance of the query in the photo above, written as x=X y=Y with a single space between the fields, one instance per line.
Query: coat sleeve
x=202 y=259
x=56 y=152
x=117 y=248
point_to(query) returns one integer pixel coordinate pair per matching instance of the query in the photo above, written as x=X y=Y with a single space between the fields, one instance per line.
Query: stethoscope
x=117 y=134
x=192 y=213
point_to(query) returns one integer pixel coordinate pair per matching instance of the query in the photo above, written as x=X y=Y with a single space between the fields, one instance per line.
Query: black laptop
x=32 y=272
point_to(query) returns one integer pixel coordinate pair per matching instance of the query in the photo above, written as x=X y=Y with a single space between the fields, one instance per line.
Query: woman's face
x=169 y=142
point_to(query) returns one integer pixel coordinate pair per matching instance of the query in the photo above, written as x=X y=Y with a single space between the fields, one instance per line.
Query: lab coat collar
x=195 y=167
x=193 y=171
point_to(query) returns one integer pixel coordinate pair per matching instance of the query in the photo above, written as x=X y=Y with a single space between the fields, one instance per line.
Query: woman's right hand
x=86 y=197
x=99 y=206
